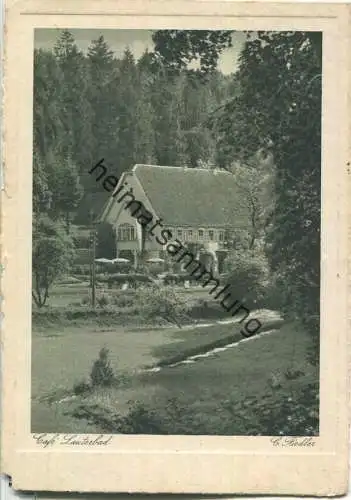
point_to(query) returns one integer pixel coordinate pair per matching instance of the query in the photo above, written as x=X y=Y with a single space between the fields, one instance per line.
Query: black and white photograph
x=174 y=248
x=176 y=232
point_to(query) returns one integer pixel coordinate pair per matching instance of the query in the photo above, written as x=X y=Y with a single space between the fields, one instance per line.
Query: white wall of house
x=124 y=218
x=212 y=239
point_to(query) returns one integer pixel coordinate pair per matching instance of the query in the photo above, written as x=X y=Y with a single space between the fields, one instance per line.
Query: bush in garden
x=123 y=299
x=102 y=373
x=275 y=414
x=275 y=292
x=248 y=275
x=161 y=302
x=178 y=278
x=141 y=420
x=133 y=279
x=297 y=415
x=103 y=300
x=81 y=388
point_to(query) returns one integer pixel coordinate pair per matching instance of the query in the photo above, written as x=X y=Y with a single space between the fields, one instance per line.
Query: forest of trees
x=265 y=117
x=94 y=105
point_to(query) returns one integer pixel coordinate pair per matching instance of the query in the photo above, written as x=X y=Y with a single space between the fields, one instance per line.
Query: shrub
x=123 y=299
x=102 y=373
x=162 y=302
x=274 y=414
x=174 y=279
x=177 y=278
x=103 y=300
x=141 y=420
x=133 y=279
x=81 y=387
x=47 y=315
x=274 y=292
x=247 y=274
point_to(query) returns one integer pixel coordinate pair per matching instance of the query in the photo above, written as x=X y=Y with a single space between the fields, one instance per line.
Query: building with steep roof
x=200 y=208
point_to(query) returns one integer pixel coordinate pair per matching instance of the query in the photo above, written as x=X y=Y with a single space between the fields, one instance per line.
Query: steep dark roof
x=193 y=196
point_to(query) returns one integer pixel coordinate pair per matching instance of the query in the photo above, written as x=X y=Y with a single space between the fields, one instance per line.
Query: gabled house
x=198 y=207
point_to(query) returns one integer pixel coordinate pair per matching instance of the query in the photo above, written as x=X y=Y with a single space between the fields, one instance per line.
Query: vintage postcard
x=175 y=246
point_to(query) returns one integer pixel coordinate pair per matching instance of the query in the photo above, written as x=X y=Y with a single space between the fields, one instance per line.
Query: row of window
x=127 y=232
x=200 y=234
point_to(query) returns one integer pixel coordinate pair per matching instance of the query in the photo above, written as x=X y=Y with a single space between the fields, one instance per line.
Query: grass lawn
x=247 y=370
x=64 y=355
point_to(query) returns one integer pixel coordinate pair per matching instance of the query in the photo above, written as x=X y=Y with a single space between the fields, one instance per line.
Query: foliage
x=273 y=415
x=286 y=123
x=64 y=184
x=96 y=105
x=123 y=300
x=76 y=140
x=262 y=123
x=48 y=126
x=255 y=181
x=178 y=48
x=275 y=112
x=102 y=373
x=80 y=388
x=162 y=302
x=247 y=274
x=103 y=300
x=82 y=314
x=42 y=195
x=177 y=278
x=133 y=279
x=52 y=254
x=297 y=415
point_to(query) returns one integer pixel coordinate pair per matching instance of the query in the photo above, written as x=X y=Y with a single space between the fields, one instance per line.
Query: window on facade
x=179 y=234
x=201 y=234
x=190 y=234
x=126 y=233
x=221 y=235
x=211 y=234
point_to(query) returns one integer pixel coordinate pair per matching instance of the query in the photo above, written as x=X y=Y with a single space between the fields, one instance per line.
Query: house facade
x=197 y=207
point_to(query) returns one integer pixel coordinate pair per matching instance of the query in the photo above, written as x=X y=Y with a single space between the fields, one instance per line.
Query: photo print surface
x=176 y=233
